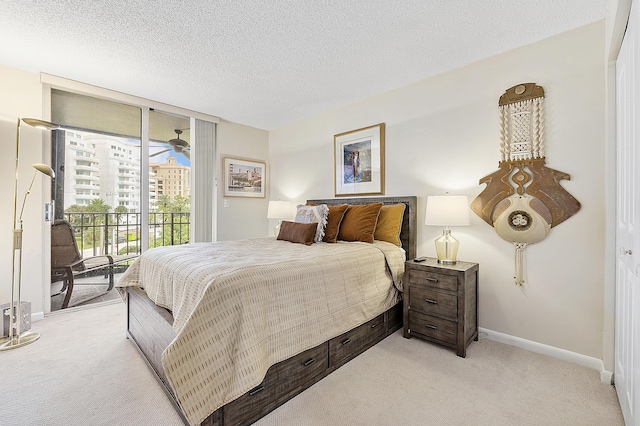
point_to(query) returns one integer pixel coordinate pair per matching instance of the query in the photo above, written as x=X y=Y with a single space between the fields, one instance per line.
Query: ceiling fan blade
x=187 y=154
x=160 y=152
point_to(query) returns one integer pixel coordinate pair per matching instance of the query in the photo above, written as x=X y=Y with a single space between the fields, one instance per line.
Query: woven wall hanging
x=523 y=200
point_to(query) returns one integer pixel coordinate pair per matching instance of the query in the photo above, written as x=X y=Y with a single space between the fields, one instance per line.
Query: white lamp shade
x=447 y=210
x=279 y=210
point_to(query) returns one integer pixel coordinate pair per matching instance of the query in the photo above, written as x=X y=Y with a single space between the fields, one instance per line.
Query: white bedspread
x=241 y=306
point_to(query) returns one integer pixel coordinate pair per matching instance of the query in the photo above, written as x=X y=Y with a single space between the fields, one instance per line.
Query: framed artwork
x=243 y=178
x=359 y=161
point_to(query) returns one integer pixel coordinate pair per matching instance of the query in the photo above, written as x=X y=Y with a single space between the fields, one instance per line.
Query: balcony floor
x=85 y=294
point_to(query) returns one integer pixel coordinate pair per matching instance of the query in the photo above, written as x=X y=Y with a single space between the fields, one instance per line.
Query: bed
x=236 y=342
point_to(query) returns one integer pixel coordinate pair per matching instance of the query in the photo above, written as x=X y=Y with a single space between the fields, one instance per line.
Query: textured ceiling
x=267 y=63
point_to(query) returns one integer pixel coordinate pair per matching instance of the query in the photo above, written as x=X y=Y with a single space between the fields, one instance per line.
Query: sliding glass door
x=123 y=175
x=169 y=168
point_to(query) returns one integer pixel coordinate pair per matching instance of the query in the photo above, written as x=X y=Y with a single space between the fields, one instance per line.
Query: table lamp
x=447 y=210
x=278 y=210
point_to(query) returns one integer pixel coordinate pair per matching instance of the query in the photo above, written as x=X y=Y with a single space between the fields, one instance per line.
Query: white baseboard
x=587 y=361
x=37 y=316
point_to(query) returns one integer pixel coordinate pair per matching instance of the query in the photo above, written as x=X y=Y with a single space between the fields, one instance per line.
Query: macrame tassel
x=540 y=105
x=504 y=130
x=535 y=130
x=520 y=247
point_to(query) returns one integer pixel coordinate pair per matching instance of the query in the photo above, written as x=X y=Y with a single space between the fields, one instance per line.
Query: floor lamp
x=16 y=338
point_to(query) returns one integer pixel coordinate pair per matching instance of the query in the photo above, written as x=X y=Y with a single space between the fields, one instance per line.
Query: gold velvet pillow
x=389 y=224
x=297 y=232
x=359 y=223
x=336 y=213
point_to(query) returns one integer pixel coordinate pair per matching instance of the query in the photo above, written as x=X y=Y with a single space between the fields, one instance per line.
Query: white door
x=627 y=346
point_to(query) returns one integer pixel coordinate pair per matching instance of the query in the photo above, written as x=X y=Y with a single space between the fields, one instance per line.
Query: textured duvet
x=241 y=306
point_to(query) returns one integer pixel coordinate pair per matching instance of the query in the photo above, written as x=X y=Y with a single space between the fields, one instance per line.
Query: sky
x=162 y=158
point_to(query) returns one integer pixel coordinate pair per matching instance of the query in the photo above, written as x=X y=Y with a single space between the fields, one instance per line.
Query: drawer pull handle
x=433 y=280
x=256 y=390
x=432 y=327
x=346 y=342
x=309 y=362
x=433 y=302
x=374 y=325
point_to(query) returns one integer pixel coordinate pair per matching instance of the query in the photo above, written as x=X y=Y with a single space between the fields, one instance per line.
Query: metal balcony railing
x=120 y=233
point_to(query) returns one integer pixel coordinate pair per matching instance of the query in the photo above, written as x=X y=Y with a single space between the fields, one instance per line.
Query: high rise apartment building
x=81 y=171
x=119 y=163
x=108 y=168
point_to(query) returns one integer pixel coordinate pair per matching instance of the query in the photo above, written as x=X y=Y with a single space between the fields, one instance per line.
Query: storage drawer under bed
x=282 y=382
x=352 y=343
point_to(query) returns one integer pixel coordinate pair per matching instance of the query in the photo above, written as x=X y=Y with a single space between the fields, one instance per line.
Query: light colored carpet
x=83 y=371
x=412 y=382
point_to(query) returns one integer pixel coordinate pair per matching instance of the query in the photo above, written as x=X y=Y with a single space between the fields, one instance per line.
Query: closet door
x=627 y=346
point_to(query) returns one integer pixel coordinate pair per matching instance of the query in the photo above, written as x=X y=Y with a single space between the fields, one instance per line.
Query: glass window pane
x=169 y=179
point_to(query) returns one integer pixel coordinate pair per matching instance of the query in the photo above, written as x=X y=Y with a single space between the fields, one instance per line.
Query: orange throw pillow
x=389 y=224
x=359 y=222
x=336 y=213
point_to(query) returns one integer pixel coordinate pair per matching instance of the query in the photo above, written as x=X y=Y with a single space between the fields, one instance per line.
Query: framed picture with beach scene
x=359 y=161
x=244 y=178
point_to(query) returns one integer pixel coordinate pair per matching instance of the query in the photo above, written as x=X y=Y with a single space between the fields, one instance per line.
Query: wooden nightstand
x=441 y=303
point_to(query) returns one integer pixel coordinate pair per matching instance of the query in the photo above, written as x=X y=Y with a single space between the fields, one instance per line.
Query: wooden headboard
x=408 y=232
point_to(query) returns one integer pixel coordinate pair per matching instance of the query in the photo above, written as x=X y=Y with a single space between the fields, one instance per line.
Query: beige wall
x=442 y=134
x=244 y=217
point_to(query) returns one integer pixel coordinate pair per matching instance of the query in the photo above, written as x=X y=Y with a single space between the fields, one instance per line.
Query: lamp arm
x=27 y=192
x=15 y=180
x=14 y=311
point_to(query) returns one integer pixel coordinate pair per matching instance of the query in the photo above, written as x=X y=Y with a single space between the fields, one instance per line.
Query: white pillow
x=313 y=214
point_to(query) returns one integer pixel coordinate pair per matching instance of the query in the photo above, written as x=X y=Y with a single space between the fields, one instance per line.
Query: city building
x=108 y=168
x=81 y=171
x=119 y=163
x=172 y=179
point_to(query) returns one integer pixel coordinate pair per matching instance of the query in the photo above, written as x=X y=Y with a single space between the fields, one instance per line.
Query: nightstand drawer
x=432 y=279
x=440 y=303
x=433 y=302
x=437 y=328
